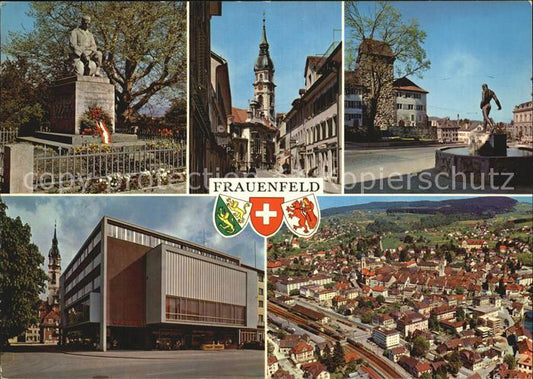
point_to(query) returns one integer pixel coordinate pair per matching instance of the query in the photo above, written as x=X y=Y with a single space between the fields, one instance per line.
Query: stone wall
x=376 y=73
x=427 y=132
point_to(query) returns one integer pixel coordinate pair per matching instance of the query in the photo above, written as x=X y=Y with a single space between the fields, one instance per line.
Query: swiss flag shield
x=266 y=214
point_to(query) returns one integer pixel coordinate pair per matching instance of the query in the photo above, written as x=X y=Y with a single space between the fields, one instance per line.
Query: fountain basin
x=517 y=166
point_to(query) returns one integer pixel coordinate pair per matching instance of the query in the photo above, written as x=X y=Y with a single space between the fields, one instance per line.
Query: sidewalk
x=154 y=354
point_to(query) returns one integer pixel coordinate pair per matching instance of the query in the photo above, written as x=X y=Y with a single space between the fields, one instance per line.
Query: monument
x=86 y=88
x=487 y=152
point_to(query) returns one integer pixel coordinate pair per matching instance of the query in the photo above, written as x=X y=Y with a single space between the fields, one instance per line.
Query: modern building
x=522 y=127
x=131 y=287
x=312 y=129
x=386 y=338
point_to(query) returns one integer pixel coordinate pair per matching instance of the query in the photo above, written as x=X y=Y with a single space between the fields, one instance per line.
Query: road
x=133 y=364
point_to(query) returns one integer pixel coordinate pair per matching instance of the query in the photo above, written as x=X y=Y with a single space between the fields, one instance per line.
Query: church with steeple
x=254 y=129
x=54 y=271
x=47 y=331
x=264 y=87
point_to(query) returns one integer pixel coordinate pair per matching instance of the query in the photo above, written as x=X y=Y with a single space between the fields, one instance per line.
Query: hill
x=477 y=205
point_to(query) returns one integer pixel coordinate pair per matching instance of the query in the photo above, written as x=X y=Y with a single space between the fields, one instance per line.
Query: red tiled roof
x=302 y=347
x=272 y=359
x=239 y=115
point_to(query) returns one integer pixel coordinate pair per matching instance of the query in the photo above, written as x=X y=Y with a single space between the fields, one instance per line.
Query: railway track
x=377 y=363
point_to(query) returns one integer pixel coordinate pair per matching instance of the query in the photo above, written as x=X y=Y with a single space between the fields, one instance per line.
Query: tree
x=510 y=360
x=405 y=39
x=420 y=347
x=24 y=96
x=294 y=292
x=459 y=290
x=426 y=375
x=338 y=356
x=460 y=314
x=380 y=299
x=366 y=317
x=454 y=359
x=433 y=323
x=21 y=277
x=145 y=49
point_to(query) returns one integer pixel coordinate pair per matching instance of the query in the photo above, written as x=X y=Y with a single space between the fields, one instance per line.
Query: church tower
x=442 y=267
x=264 y=87
x=54 y=271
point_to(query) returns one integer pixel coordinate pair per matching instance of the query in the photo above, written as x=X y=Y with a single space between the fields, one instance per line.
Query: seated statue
x=86 y=59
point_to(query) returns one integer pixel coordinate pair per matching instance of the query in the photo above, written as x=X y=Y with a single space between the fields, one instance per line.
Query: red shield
x=266 y=214
x=302 y=215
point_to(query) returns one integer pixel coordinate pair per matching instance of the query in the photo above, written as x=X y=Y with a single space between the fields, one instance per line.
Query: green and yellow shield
x=230 y=215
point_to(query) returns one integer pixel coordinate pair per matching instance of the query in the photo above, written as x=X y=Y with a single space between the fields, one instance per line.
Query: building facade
x=522 y=127
x=353 y=102
x=208 y=158
x=386 y=338
x=131 y=287
x=410 y=103
x=312 y=125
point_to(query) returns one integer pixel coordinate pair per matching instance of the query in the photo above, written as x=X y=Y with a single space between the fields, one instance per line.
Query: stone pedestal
x=18 y=168
x=72 y=97
x=498 y=142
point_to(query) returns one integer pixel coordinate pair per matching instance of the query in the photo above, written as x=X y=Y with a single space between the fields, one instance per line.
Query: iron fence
x=6 y=136
x=97 y=168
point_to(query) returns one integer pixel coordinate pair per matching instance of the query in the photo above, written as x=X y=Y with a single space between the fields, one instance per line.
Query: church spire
x=54 y=270
x=263 y=61
x=54 y=251
x=264 y=40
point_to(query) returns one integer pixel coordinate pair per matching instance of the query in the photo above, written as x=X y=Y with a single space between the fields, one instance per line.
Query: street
x=51 y=363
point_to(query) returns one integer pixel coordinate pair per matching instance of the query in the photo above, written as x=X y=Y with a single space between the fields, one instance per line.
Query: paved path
x=133 y=364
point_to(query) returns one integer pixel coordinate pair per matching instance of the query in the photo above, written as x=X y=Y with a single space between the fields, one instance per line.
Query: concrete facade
x=126 y=284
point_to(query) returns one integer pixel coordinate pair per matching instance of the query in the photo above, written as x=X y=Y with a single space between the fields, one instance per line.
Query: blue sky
x=341 y=201
x=471 y=43
x=294 y=31
x=13 y=18
x=189 y=218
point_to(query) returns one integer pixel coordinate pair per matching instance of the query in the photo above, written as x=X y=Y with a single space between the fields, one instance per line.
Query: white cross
x=266 y=214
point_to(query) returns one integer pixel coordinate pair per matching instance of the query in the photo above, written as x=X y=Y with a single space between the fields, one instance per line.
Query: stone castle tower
x=54 y=271
x=264 y=87
x=375 y=71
